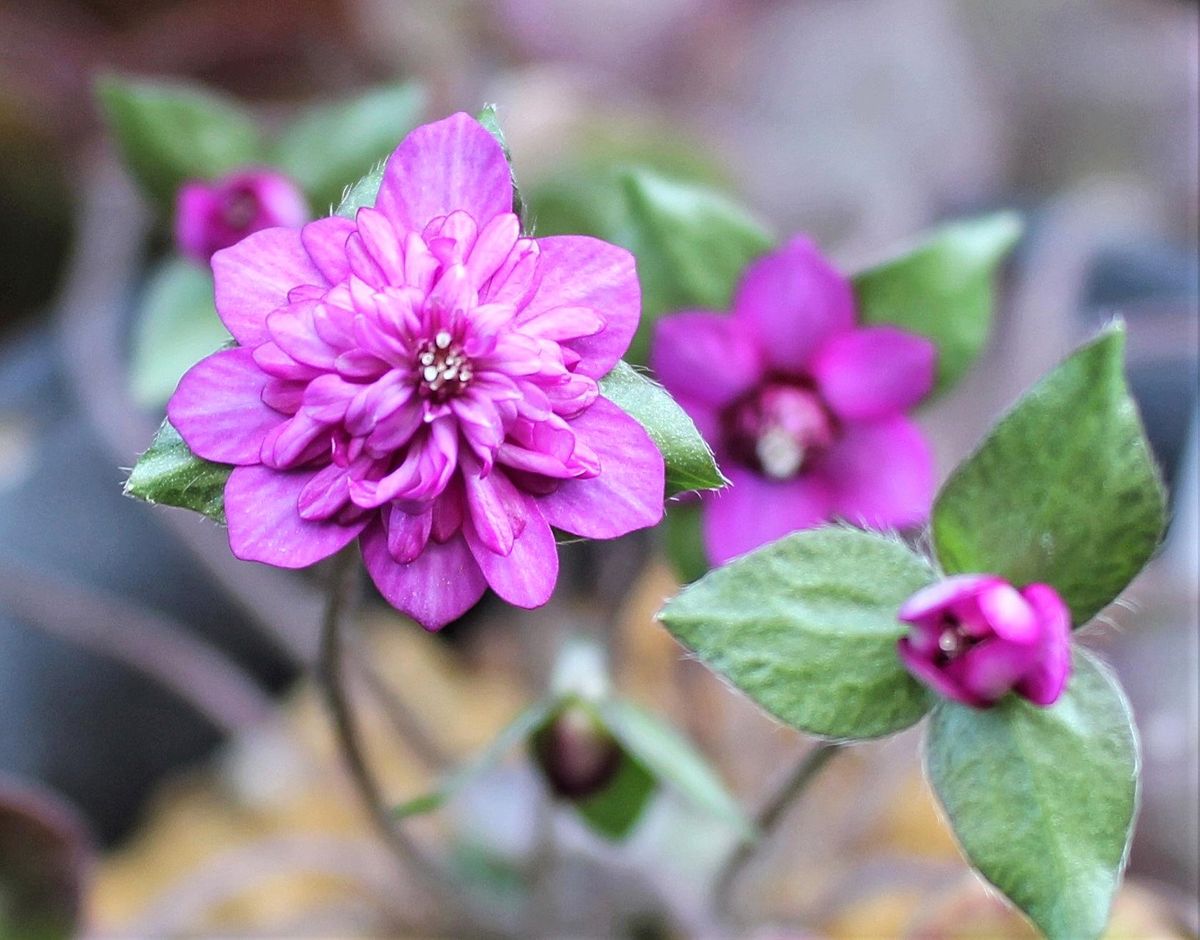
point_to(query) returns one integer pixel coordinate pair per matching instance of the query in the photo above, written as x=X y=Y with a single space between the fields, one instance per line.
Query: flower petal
x=218 y=408
x=923 y=669
x=1046 y=681
x=254 y=278
x=325 y=242
x=261 y=506
x=627 y=494
x=754 y=510
x=880 y=474
x=525 y=576
x=872 y=373
x=707 y=357
x=577 y=271
x=989 y=669
x=793 y=300
x=931 y=601
x=438 y=168
x=440 y=585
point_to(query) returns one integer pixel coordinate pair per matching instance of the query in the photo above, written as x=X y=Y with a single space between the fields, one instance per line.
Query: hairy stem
x=791 y=787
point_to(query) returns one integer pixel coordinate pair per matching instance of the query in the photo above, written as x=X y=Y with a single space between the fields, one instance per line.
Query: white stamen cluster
x=779 y=452
x=445 y=370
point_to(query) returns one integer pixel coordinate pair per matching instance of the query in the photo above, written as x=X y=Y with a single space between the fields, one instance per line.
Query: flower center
x=954 y=640
x=240 y=208
x=444 y=369
x=778 y=428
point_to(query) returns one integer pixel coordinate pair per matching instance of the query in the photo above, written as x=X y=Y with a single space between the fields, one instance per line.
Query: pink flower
x=424 y=378
x=975 y=638
x=805 y=410
x=213 y=215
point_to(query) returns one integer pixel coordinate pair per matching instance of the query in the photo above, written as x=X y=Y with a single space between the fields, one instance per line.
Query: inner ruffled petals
x=415 y=386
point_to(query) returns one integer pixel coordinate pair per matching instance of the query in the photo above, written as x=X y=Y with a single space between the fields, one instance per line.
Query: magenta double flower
x=211 y=215
x=975 y=638
x=424 y=378
x=805 y=409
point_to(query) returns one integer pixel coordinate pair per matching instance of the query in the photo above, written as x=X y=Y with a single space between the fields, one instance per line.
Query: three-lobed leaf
x=331 y=144
x=942 y=288
x=177 y=326
x=689 y=459
x=170 y=474
x=1042 y=800
x=169 y=133
x=806 y=627
x=1064 y=490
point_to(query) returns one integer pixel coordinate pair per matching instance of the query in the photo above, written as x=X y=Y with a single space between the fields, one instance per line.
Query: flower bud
x=975 y=638
x=577 y=756
x=211 y=215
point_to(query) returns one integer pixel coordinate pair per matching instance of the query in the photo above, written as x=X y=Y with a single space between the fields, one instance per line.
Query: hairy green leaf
x=806 y=626
x=1064 y=490
x=1042 y=800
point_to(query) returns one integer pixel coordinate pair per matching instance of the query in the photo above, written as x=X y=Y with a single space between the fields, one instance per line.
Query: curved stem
x=792 y=786
x=412 y=858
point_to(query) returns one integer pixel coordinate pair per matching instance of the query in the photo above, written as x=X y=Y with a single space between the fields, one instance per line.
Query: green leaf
x=170 y=474
x=521 y=729
x=692 y=245
x=942 y=288
x=672 y=761
x=683 y=539
x=168 y=133
x=689 y=459
x=176 y=328
x=490 y=119
x=1042 y=800
x=332 y=144
x=615 y=810
x=807 y=627
x=1064 y=490
x=361 y=193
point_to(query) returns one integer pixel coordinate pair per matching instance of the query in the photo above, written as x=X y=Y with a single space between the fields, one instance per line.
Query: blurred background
x=164 y=767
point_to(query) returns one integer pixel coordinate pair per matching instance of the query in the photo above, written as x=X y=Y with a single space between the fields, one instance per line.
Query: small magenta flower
x=805 y=410
x=975 y=638
x=424 y=378
x=213 y=215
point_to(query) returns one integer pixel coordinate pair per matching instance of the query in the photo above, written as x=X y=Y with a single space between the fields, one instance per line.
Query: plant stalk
x=791 y=787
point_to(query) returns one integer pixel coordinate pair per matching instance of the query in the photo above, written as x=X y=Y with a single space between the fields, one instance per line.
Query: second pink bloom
x=805 y=409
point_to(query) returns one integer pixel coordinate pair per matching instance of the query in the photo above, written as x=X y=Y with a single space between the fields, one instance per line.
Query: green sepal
x=689 y=460
x=169 y=474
